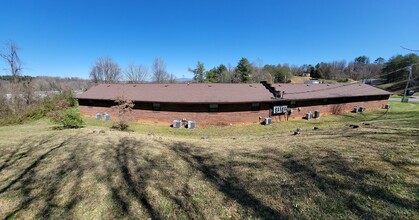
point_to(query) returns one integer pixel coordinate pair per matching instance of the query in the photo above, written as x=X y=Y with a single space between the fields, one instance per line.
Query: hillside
x=397 y=88
x=299 y=79
x=236 y=172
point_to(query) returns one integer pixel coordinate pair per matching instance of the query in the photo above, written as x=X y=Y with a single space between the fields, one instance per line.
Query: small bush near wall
x=68 y=118
x=123 y=107
x=337 y=109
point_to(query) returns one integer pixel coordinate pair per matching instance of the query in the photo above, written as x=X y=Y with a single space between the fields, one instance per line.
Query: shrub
x=123 y=107
x=120 y=125
x=68 y=118
x=37 y=110
x=343 y=80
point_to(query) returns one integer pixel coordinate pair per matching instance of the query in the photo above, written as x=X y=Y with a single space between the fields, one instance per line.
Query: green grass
x=328 y=122
x=239 y=172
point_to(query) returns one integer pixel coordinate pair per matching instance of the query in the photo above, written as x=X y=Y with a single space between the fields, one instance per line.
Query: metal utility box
x=176 y=123
x=191 y=124
x=362 y=109
x=387 y=106
x=356 y=109
x=99 y=116
x=268 y=121
x=107 y=117
x=309 y=115
x=316 y=114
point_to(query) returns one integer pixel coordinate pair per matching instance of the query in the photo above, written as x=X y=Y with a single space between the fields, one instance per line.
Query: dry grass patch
x=336 y=172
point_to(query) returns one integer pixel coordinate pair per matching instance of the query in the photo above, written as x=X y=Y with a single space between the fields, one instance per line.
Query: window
x=156 y=106
x=324 y=100
x=255 y=106
x=213 y=108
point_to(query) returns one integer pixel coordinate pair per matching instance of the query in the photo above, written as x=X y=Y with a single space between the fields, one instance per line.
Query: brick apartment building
x=230 y=103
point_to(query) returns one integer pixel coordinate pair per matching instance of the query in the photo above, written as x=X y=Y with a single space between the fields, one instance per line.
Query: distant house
x=230 y=103
x=374 y=81
x=312 y=81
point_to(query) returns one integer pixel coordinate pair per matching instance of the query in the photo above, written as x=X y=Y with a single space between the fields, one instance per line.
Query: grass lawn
x=397 y=88
x=239 y=172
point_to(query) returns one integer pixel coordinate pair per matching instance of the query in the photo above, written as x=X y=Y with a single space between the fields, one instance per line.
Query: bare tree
x=136 y=73
x=257 y=71
x=28 y=93
x=172 y=78
x=105 y=71
x=11 y=57
x=359 y=71
x=296 y=70
x=160 y=74
x=338 y=69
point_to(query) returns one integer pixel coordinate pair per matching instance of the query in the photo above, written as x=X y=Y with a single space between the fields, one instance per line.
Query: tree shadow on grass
x=229 y=184
x=337 y=185
x=23 y=150
x=30 y=168
x=355 y=192
x=134 y=178
x=132 y=172
x=39 y=189
x=73 y=169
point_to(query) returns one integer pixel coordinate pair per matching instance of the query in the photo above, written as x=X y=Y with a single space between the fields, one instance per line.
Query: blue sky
x=65 y=37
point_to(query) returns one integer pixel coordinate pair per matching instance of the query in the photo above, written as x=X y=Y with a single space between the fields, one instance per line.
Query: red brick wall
x=328 y=109
x=225 y=118
x=221 y=118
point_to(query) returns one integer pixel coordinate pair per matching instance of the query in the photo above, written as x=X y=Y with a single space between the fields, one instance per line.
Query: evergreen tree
x=243 y=69
x=199 y=72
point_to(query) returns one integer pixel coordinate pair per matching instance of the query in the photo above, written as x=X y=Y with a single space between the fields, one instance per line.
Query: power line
x=416 y=51
x=397 y=70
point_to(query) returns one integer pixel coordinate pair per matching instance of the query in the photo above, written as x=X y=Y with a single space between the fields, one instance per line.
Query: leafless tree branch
x=105 y=71
x=160 y=74
x=11 y=57
x=136 y=73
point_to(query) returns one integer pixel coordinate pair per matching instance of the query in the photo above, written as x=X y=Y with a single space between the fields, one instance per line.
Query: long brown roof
x=225 y=93
x=181 y=93
x=316 y=91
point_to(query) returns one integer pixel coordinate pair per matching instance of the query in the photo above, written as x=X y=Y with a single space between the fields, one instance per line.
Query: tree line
x=359 y=69
x=106 y=70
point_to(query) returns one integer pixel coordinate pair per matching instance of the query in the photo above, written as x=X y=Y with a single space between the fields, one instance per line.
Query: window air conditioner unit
x=268 y=121
x=176 y=124
x=191 y=124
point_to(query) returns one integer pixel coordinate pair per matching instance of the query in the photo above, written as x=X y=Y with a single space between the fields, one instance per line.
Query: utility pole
x=405 y=99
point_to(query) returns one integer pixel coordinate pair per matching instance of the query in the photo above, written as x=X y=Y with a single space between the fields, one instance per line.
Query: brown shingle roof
x=181 y=93
x=316 y=91
x=225 y=93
